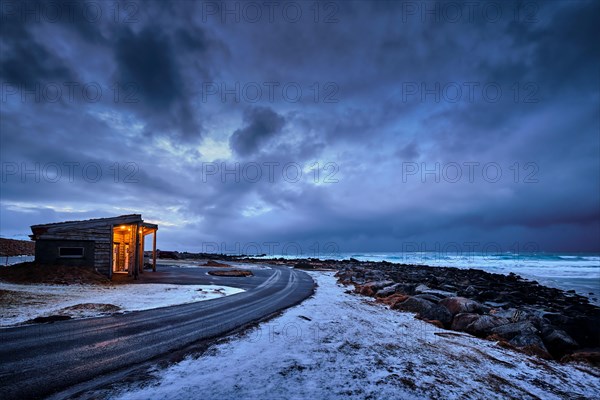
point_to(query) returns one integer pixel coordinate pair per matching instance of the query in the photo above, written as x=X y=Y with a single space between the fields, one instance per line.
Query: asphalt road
x=38 y=360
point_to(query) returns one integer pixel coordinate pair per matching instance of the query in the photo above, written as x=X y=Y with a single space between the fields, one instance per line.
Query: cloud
x=370 y=55
x=262 y=124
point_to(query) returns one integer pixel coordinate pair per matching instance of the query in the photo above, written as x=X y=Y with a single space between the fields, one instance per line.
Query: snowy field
x=337 y=345
x=21 y=303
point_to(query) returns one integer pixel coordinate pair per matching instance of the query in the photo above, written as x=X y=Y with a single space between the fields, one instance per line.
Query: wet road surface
x=38 y=360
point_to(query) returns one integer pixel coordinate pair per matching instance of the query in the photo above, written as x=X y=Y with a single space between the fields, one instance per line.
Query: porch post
x=136 y=257
x=154 y=251
x=142 y=244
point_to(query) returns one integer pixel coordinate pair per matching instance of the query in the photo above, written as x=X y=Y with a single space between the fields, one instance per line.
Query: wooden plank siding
x=99 y=232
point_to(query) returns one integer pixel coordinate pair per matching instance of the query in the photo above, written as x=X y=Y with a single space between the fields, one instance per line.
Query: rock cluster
x=518 y=313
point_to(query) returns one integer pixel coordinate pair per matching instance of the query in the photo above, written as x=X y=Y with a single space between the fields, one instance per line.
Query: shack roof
x=90 y=223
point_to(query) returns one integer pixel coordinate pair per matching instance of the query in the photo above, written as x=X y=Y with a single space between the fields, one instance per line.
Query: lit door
x=115 y=256
x=126 y=258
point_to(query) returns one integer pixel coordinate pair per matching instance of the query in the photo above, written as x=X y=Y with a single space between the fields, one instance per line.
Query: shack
x=110 y=245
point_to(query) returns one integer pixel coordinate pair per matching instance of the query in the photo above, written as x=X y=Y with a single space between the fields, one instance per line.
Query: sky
x=306 y=127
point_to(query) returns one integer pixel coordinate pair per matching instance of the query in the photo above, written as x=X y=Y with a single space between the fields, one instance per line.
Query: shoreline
x=338 y=344
x=548 y=322
x=584 y=286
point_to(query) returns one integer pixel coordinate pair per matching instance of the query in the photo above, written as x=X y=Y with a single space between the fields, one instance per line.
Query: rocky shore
x=512 y=311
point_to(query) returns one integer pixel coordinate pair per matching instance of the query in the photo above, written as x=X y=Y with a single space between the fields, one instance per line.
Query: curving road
x=38 y=360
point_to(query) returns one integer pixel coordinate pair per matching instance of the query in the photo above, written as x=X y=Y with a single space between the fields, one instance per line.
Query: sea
x=567 y=271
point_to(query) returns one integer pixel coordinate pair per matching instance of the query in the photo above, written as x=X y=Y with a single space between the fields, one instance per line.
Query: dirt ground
x=30 y=272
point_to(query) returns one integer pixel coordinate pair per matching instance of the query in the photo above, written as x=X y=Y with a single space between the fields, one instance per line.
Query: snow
x=340 y=345
x=24 y=302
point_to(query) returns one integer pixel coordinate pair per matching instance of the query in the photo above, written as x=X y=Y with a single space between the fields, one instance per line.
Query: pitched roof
x=121 y=219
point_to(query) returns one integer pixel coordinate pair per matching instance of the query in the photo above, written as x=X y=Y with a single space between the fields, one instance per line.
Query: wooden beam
x=110 y=259
x=136 y=257
x=154 y=251
x=141 y=260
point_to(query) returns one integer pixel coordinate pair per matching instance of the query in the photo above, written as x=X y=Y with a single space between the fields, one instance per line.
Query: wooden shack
x=110 y=245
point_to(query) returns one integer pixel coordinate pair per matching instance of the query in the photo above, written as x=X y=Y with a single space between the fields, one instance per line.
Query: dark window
x=72 y=252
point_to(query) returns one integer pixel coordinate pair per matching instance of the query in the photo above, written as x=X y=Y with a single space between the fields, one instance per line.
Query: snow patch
x=341 y=345
x=21 y=303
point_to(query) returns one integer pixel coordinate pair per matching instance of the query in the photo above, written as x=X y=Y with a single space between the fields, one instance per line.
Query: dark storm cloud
x=373 y=55
x=148 y=61
x=25 y=60
x=261 y=125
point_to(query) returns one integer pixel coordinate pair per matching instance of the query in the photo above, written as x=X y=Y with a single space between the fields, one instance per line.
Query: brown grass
x=231 y=272
x=11 y=247
x=211 y=263
x=30 y=272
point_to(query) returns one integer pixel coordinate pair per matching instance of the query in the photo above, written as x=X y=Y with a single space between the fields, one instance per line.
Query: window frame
x=82 y=255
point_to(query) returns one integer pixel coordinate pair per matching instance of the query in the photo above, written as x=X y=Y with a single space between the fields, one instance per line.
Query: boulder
x=429 y=297
x=591 y=357
x=388 y=290
x=475 y=324
x=406 y=288
x=470 y=291
x=531 y=344
x=426 y=309
x=393 y=300
x=557 y=341
x=458 y=305
x=509 y=331
x=513 y=314
x=461 y=321
x=371 y=288
x=424 y=289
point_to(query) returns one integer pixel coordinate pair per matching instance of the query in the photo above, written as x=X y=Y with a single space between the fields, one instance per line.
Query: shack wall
x=47 y=252
x=96 y=241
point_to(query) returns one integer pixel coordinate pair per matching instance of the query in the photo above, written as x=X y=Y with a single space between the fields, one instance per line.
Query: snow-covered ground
x=24 y=302
x=338 y=345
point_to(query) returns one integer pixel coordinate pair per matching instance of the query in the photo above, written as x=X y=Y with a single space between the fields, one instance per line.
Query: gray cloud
x=261 y=125
x=372 y=54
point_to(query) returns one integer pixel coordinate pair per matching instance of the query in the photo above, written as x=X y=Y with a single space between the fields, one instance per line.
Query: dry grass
x=231 y=272
x=30 y=272
x=211 y=263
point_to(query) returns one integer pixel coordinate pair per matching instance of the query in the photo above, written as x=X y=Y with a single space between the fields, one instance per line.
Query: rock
x=424 y=289
x=388 y=290
x=426 y=310
x=461 y=321
x=531 y=344
x=557 y=341
x=406 y=288
x=371 y=288
x=364 y=290
x=470 y=291
x=435 y=322
x=513 y=314
x=393 y=300
x=458 y=305
x=591 y=357
x=513 y=277
x=556 y=318
x=483 y=324
x=509 y=331
x=429 y=297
